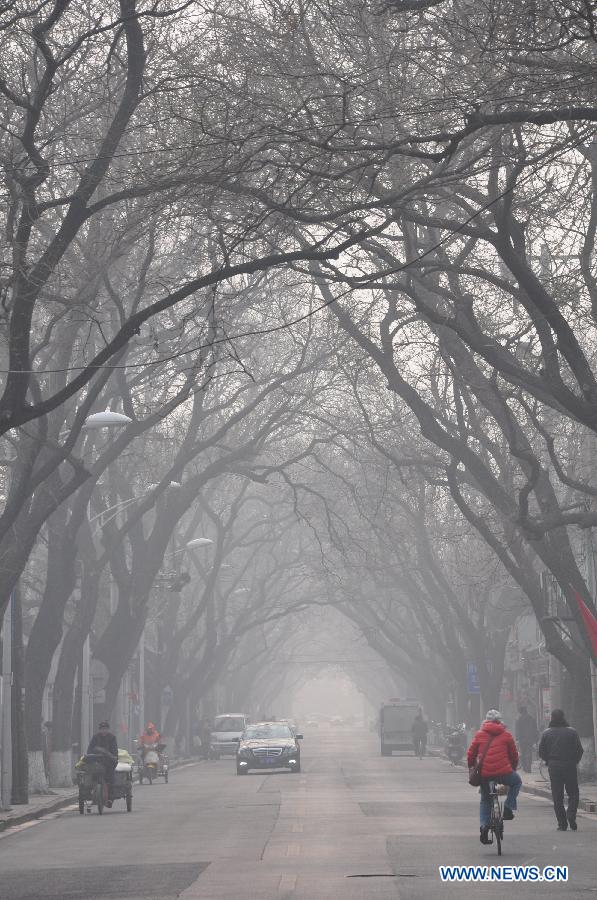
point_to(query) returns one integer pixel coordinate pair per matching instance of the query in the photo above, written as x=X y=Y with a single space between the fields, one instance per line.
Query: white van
x=395 y=725
x=226 y=733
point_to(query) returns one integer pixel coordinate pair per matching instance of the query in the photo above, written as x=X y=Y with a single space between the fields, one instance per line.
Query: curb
x=54 y=806
x=584 y=803
x=31 y=814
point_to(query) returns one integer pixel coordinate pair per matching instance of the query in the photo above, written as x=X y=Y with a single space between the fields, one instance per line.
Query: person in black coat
x=419 y=732
x=561 y=749
x=104 y=744
x=526 y=733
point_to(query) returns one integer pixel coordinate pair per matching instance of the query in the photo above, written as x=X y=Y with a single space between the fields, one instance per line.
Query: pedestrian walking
x=561 y=749
x=46 y=736
x=526 y=732
x=205 y=737
x=419 y=732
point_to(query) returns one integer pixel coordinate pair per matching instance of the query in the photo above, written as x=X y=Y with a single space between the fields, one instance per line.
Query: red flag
x=589 y=620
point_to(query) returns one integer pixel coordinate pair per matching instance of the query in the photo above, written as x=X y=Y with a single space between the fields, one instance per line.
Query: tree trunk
x=46 y=633
x=64 y=684
x=20 y=761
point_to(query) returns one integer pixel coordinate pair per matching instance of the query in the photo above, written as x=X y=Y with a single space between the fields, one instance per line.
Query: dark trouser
x=564 y=776
x=419 y=744
x=526 y=756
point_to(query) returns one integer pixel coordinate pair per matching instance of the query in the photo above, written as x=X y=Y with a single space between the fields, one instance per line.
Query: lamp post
x=194 y=544
x=95 y=421
x=6 y=733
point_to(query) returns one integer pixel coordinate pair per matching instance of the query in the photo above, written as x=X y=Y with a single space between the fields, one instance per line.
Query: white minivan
x=226 y=733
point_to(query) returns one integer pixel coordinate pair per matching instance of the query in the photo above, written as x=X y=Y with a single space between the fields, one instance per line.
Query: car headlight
x=244 y=752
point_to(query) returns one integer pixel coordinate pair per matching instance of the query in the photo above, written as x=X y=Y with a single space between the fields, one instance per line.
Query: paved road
x=353 y=825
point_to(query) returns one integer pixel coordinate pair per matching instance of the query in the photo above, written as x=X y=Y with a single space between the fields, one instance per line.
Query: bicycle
x=496 y=818
x=93 y=788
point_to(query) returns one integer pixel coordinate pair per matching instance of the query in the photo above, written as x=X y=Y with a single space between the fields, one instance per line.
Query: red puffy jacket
x=502 y=756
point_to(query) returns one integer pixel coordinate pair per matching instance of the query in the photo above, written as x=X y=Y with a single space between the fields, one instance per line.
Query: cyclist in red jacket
x=499 y=764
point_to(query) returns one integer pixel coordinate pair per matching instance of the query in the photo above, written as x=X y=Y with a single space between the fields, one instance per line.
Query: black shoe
x=507 y=815
x=484 y=835
x=573 y=826
x=562 y=828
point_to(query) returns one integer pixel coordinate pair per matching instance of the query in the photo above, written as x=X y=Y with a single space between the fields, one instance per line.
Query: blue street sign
x=472 y=679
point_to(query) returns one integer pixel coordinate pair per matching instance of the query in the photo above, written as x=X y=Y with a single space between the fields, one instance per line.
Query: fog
x=298 y=397
x=332 y=694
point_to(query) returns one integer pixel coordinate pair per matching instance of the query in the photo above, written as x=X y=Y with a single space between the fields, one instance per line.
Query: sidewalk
x=39 y=805
x=532 y=783
x=44 y=804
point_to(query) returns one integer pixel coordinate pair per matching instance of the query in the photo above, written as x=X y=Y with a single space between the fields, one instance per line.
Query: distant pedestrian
x=526 y=732
x=419 y=732
x=46 y=736
x=561 y=749
x=205 y=737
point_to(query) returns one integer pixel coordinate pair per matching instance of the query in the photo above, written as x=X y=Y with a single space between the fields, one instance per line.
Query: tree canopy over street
x=333 y=264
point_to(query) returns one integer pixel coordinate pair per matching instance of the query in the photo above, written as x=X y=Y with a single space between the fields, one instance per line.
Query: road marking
x=293 y=850
x=287 y=884
x=17 y=829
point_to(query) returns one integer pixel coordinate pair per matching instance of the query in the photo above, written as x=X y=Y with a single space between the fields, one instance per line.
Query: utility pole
x=142 y=682
x=591 y=584
x=86 y=704
x=6 y=735
x=20 y=758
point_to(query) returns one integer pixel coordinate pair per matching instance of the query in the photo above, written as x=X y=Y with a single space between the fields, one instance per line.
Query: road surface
x=351 y=825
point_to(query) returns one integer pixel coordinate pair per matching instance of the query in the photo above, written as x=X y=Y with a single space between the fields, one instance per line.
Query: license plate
x=270 y=760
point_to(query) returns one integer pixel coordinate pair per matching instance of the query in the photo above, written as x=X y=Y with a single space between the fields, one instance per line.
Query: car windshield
x=229 y=723
x=266 y=732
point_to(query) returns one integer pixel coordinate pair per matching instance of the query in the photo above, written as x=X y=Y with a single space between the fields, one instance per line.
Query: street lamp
x=122 y=504
x=106 y=419
x=193 y=544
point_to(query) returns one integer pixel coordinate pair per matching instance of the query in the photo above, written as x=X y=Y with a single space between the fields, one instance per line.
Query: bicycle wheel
x=497 y=822
x=98 y=795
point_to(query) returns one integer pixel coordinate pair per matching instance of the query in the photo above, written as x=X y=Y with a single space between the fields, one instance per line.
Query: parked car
x=268 y=745
x=225 y=734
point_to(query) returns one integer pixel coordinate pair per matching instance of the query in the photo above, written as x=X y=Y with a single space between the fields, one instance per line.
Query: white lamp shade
x=107 y=419
x=198 y=542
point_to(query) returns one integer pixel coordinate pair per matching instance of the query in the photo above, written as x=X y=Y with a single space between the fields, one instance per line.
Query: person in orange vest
x=150 y=737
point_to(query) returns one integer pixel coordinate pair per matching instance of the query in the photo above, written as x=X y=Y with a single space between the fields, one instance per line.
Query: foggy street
x=298 y=449
x=210 y=834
